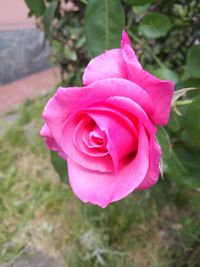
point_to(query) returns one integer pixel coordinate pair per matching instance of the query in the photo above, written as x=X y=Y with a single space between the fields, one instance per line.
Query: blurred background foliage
x=165 y=34
x=158 y=227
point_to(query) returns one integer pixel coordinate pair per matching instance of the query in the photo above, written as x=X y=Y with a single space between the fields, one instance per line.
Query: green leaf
x=193 y=61
x=139 y=10
x=48 y=18
x=36 y=6
x=190 y=160
x=155 y=25
x=60 y=165
x=176 y=171
x=104 y=21
x=174 y=124
x=191 y=135
x=138 y=2
x=172 y=167
x=164 y=141
x=167 y=74
x=192 y=82
x=179 y=164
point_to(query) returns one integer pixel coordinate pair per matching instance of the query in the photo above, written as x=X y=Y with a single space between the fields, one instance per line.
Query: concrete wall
x=22 y=53
x=21 y=43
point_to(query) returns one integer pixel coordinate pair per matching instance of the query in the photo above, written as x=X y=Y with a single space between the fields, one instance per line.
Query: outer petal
x=128 y=53
x=108 y=65
x=55 y=115
x=112 y=64
x=102 y=189
x=48 y=138
x=153 y=173
x=160 y=92
x=75 y=99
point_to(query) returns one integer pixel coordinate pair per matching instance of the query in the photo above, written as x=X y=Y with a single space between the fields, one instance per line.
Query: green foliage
x=60 y=166
x=190 y=167
x=191 y=134
x=174 y=54
x=139 y=2
x=179 y=163
x=37 y=7
x=48 y=18
x=164 y=141
x=155 y=25
x=62 y=23
x=169 y=51
x=104 y=21
x=166 y=74
x=193 y=61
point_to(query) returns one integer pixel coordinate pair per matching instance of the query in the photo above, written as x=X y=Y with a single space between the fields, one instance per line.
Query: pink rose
x=106 y=129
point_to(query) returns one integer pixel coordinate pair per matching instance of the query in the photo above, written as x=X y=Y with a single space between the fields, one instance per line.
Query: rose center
x=97 y=138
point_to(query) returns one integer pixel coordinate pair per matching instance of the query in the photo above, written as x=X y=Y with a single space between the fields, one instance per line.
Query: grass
x=158 y=227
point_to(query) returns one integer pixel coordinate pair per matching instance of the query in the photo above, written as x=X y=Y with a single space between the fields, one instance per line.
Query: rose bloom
x=106 y=129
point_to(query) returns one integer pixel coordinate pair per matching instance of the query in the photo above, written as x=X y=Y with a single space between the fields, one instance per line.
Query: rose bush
x=106 y=129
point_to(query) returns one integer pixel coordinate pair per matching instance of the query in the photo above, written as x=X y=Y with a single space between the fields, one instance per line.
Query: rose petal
x=128 y=53
x=98 y=138
x=82 y=145
x=111 y=64
x=160 y=92
x=128 y=67
x=117 y=112
x=54 y=115
x=117 y=131
x=90 y=143
x=108 y=65
x=73 y=99
x=153 y=173
x=103 y=188
x=102 y=164
x=155 y=151
x=48 y=138
x=133 y=108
